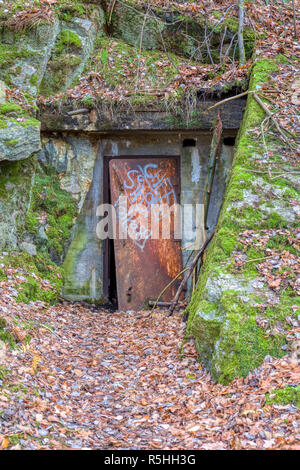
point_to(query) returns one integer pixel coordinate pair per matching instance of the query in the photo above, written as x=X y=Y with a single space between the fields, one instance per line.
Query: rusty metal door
x=147 y=259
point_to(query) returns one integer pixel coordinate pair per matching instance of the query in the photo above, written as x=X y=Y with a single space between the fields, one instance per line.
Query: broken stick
x=270 y=115
x=230 y=99
x=213 y=155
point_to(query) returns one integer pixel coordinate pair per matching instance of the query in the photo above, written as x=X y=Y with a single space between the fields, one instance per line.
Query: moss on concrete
x=225 y=305
x=243 y=344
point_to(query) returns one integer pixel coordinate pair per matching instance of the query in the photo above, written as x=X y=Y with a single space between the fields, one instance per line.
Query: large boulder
x=24 y=55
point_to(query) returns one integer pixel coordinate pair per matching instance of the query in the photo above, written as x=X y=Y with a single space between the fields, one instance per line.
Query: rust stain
x=145 y=265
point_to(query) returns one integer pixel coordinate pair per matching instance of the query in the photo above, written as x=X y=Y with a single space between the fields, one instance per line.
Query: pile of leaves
x=30 y=18
x=89 y=378
x=279 y=268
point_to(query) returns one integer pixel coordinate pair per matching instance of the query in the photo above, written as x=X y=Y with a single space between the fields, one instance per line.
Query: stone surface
x=2 y=92
x=229 y=303
x=169 y=31
x=67 y=61
x=16 y=179
x=32 y=49
x=18 y=141
x=73 y=157
x=30 y=248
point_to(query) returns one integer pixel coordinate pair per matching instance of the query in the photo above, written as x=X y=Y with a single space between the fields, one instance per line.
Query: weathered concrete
x=223 y=166
x=126 y=119
x=193 y=175
x=83 y=265
x=84 y=261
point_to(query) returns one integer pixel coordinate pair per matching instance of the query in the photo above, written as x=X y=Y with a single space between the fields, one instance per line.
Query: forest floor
x=93 y=379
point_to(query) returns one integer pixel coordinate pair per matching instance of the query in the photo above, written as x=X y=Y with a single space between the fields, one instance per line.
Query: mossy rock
x=24 y=55
x=19 y=136
x=225 y=306
x=72 y=49
x=15 y=191
x=51 y=215
x=173 y=31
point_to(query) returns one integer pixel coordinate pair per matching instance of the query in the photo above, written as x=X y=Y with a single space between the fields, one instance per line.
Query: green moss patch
x=11 y=143
x=65 y=58
x=53 y=210
x=43 y=279
x=67 y=9
x=9 y=54
x=284 y=396
x=9 y=107
x=67 y=41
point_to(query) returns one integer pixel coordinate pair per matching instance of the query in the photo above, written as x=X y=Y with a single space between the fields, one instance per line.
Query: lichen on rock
x=19 y=139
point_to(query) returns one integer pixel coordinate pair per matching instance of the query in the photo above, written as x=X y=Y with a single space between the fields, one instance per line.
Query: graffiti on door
x=147 y=191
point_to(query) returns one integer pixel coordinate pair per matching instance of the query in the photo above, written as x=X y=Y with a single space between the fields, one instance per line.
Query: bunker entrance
x=150 y=172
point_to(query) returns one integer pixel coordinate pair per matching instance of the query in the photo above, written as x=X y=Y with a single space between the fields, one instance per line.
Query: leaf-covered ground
x=101 y=380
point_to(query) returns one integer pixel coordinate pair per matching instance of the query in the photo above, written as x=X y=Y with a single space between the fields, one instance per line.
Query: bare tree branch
x=242 y=55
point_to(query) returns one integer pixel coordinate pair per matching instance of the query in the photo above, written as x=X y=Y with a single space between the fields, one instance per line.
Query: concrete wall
x=79 y=158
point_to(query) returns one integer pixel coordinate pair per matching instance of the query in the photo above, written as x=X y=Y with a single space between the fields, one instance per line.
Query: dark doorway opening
x=109 y=268
x=112 y=288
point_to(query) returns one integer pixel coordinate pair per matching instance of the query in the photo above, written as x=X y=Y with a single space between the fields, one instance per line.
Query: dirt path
x=119 y=381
